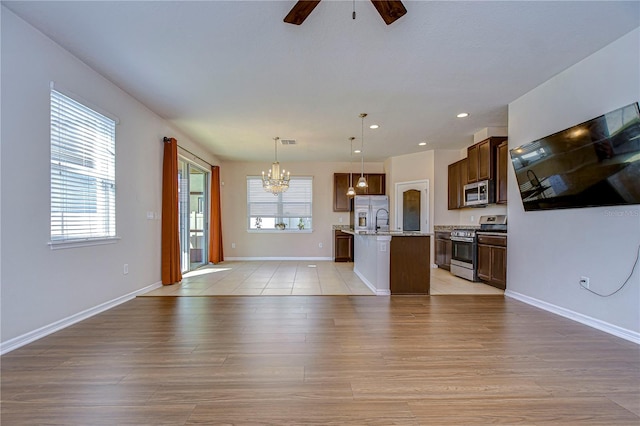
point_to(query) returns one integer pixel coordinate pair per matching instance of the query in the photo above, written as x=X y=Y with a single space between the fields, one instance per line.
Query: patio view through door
x=193 y=200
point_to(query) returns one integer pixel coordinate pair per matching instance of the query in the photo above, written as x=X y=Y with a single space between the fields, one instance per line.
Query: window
x=82 y=172
x=292 y=208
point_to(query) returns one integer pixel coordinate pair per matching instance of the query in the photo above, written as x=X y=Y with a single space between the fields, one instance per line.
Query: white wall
x=40 y=286
x=549 y=251
x=281 y=244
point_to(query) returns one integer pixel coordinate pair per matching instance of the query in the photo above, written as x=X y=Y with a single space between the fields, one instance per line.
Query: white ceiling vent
x=287 y=141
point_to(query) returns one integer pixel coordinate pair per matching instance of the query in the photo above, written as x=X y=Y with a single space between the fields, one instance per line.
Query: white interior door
x=419 y=185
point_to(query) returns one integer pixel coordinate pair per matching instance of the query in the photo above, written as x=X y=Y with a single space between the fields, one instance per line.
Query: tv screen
x=596 y=163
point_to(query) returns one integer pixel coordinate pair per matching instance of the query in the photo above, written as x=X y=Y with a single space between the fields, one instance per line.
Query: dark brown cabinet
x=343 y=246
x=341 y=202
x=443 y=249
x=410 y=265
x=481 y=159
x=502 y=164
x=457 y=175
x=377 y=184
x=492 y=260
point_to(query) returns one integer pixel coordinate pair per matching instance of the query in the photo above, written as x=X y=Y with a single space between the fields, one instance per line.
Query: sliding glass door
x=194 y=215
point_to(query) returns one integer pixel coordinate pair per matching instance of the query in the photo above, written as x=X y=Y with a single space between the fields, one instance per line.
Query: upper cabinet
x=457 y=179
x=341 y=202
x=377 y=184
x=340 y=187
x=502 y=164
x=481 y=159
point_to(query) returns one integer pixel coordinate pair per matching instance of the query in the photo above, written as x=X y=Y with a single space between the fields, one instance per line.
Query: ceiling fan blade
x=300 y=11
x=390 y=10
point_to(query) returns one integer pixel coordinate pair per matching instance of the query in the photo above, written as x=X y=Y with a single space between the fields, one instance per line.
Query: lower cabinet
x=410 y=265
x=343 y=246
x=492 y=260
x=443 y=249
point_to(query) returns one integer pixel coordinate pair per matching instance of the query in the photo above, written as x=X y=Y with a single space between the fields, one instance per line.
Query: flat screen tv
x=596 y=163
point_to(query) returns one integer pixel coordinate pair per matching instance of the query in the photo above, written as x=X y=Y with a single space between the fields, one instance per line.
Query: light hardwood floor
x=279 y=278
x=335 y=360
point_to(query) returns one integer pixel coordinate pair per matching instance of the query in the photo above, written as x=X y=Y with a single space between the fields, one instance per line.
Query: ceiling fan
x=390 y=10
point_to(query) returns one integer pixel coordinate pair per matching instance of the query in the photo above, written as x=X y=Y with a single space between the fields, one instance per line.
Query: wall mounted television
x=596 y=163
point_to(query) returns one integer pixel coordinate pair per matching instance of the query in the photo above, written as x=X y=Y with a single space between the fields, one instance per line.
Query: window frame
x=291 y=229
x=105 y=178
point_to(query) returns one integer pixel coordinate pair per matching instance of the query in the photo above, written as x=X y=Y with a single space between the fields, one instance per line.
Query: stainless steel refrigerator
x=371 y=213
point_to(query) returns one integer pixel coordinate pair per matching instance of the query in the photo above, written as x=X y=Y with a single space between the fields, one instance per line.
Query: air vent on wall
x=287 y=141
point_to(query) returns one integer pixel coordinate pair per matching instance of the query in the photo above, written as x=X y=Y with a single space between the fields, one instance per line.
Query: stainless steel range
x=464 y=245
x=464 y=253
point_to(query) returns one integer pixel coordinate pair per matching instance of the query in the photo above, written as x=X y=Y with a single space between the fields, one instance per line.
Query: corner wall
x=549 y=251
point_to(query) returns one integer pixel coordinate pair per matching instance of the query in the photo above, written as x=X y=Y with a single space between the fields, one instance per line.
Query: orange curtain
x=170 y=226
x=215 y=229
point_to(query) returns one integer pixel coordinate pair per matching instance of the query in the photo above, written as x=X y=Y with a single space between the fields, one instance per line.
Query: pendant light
x=276 y=181
x=351 y=192
x=362 y=182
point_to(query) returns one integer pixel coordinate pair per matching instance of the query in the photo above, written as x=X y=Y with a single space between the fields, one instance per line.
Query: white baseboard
x=280 y=258
x=41 y=332
x=370 y=285
x=623 y=333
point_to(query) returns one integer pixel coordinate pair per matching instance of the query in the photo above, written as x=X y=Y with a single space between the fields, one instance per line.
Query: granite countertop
x=452 y=227
x=386 y=233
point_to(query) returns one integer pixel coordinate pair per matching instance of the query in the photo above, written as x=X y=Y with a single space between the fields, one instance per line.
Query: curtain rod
x=166 y=139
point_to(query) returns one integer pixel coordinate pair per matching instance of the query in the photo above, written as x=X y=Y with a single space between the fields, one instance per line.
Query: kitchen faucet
x=378 y=211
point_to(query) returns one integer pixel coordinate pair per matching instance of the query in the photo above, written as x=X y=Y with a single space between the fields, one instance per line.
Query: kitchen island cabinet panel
x=410 y=265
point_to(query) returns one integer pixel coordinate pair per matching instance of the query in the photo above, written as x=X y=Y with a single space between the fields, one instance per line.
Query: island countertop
x=387 y=233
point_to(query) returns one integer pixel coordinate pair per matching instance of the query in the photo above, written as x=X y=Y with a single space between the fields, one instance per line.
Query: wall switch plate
x=320 y=245
x=233 y=245
x=125 y=269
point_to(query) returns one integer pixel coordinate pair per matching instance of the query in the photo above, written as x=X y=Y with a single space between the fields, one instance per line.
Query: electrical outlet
x=340 y=219
x=320 y=245
x=125 y=269
x=584 y=282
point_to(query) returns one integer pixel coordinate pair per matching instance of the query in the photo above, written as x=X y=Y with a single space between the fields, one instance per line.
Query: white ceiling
x=232 y=75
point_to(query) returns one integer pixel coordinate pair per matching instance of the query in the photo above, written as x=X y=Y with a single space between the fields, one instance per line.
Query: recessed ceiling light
x=422 y=143
x=357 y=151
x=463 y=115
x=374 y=126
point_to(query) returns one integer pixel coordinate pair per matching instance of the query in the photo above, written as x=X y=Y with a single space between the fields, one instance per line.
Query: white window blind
x=293 y=207
x=82 y=172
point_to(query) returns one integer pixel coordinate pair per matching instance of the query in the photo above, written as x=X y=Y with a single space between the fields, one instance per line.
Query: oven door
x=463 y=250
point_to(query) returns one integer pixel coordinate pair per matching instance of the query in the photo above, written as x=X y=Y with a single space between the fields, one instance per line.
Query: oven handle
x=463 y=239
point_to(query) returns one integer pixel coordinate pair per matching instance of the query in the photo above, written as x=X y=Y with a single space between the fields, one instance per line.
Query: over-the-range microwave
x=478 y=193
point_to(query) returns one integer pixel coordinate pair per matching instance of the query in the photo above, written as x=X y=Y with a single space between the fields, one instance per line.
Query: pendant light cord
x=363 y=115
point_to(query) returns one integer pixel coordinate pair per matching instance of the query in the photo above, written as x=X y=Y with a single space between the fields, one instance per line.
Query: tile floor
x=309 y=278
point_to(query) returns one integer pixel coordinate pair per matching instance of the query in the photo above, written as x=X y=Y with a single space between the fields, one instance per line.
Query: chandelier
x=362 y=182
x=275 y=181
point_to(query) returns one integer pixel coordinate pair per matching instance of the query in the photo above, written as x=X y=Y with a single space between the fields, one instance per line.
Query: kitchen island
x=393 y=263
